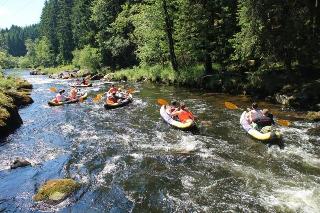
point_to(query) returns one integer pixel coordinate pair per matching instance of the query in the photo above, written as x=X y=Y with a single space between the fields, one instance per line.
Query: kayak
x=53 y=103
x=186 y=125
x=255 y=133
x=81 y=85
x=111 y=105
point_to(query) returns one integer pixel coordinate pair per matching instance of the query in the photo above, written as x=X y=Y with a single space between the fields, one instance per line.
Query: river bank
x=14 y=94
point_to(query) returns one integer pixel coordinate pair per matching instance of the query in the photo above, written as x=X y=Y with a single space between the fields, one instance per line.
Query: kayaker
x=113 y=98
x=84 y=81
x=73 y=93
x=259 y=118
x=112 y=89
x=60 y=97
x=183 y=114
x=172 y=107
x=120 y=94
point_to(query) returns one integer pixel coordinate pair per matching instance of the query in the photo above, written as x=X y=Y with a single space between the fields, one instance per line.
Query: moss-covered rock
x=55 y=191
x=313 y=116
x=20 y=98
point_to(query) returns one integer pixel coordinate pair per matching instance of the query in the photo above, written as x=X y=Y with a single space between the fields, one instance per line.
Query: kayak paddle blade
x=230 y=105
x=53 y=89
x=162 y=102
x=283 y=122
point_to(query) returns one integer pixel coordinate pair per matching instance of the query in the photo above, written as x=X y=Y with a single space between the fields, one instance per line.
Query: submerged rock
x=55 y=191
x=20 y=163
x=314 y=131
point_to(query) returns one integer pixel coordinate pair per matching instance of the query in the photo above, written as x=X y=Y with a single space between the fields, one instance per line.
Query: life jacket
x=184 y=116
x=112 y=100
x=58 y=98
x=260 y=119
x=113 y=90
x=73 y=94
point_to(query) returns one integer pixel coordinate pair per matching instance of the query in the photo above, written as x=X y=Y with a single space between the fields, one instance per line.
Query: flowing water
x=130 y=160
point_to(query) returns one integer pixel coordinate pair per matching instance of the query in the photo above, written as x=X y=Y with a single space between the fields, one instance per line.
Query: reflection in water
x=130 y=160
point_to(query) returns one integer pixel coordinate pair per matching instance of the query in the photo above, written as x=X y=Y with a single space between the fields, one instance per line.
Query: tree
x=87 y=58
x=64 y=32
x=83 y=28
x=43 y=53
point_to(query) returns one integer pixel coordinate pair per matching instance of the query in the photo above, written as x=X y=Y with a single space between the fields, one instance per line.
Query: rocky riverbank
x=67 y=74
x=14 y=93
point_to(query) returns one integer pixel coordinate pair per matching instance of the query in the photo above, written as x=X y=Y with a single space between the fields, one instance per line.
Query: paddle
x=130 y=90
x=53 y=89
x=232 y=106
x=162 y=102
x=97 y=98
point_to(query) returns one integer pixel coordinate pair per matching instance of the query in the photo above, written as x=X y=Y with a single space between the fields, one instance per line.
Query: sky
x=20 y=12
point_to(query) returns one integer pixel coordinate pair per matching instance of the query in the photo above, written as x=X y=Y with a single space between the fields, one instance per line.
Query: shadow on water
x=130 y=160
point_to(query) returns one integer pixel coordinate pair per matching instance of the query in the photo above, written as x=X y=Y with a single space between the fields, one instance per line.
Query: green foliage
x=159 y=73
x=7 y=61
x=12 y=40
x=87 y=58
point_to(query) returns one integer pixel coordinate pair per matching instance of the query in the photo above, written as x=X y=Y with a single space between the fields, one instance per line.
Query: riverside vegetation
x=14 y=93
x=267 y=49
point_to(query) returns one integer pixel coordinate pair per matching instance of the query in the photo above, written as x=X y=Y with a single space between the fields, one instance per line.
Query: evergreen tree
x=64 y=32
x=83 y=28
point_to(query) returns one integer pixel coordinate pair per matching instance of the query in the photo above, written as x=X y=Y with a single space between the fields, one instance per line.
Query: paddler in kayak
x=84 y=81
x=112 y=98
x=172 y=107
x=73 y=93
x=183 y=113
x=112 y=89
x=60 y=97
x=259 y=118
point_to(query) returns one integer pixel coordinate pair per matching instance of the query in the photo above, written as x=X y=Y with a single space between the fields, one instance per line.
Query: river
x=130 y=160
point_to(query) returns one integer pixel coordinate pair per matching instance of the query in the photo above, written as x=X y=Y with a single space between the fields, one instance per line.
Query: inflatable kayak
x=255 y=133
x=111 y=105
x=81 y=85
x=186 y=125
x=53 y=103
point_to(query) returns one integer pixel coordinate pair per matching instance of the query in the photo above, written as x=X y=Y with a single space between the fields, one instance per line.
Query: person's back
x=59 y=97
x=73 y=93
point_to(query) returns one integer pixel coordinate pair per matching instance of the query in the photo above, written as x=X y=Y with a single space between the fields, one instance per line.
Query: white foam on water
x=300 y=152
x=67 y=128
x=137 y=156
x=294 y=199
x=187 y=182
x=110 y=167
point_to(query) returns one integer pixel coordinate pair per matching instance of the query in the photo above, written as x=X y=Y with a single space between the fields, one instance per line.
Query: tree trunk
x=208 y=64
x=168 y=29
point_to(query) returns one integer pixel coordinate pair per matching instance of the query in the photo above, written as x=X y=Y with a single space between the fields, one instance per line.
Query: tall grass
x=157 y=73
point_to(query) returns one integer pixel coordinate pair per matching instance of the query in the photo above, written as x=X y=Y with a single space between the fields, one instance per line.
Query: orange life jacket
x=112 y=100
x=184 y=116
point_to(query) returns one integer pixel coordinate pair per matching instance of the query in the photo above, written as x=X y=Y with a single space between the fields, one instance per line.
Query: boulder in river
x=313 y=116
x=55 y=191
x=20 y=163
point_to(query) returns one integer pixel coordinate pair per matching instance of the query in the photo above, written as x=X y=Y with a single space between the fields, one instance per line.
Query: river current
x=129 y=160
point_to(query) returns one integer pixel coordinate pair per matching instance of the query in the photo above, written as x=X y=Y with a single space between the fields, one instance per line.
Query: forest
x=226 y=45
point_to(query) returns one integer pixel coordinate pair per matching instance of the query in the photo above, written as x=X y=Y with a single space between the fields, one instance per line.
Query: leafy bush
x=87 y=58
